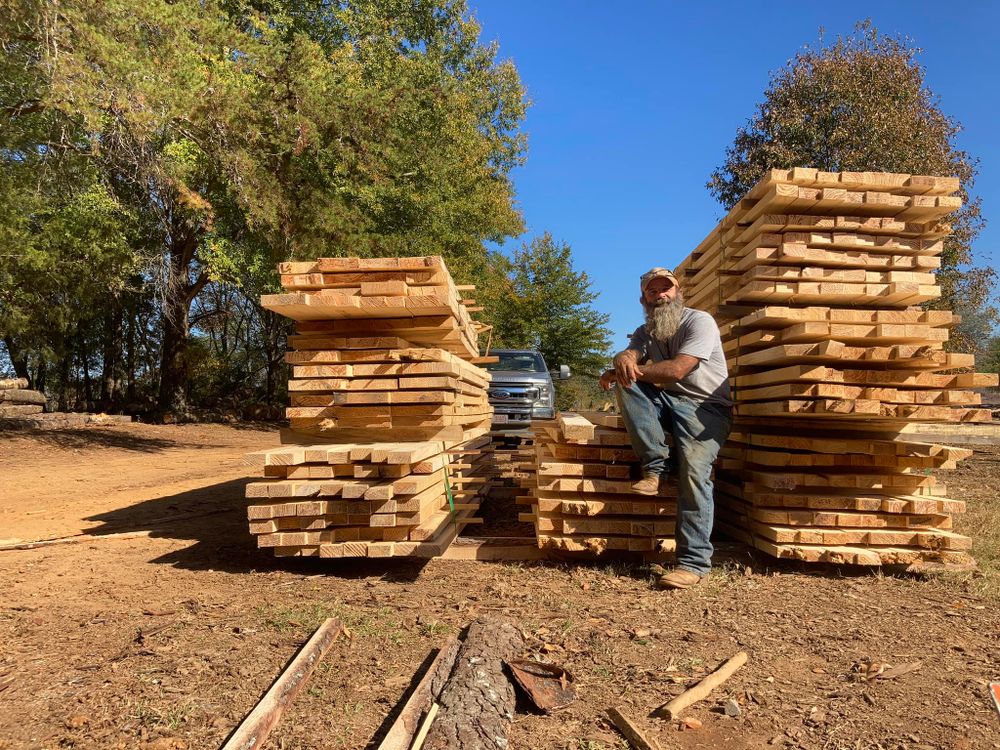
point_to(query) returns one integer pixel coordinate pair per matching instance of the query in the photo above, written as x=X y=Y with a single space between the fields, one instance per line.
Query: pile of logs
x=578 y=483
x=384 y=349
x=816 y=280
x=16 y=400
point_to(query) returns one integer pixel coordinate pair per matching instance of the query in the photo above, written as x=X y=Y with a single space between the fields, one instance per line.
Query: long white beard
x=662 y=321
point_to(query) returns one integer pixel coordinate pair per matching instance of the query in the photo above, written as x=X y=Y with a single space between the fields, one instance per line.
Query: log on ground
x=477 y=704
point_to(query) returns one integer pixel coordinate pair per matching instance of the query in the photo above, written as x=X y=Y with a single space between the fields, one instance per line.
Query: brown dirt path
x=165 y=642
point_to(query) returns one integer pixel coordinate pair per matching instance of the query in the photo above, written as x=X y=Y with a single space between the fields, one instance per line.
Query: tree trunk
x=88 y=382
x=179 y=295
x=477 y=704
x=275 y=343
x=111 y=358
x=64 y=368
x=174 y=356
x=18 y=359
x=130 y=358
x=41 y=375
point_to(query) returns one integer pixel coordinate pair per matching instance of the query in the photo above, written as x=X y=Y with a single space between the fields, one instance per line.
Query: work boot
x=679 y=578
x=648 y=485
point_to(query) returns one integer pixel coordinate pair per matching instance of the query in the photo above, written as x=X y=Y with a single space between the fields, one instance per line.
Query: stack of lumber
x=366 y=499
x=381 y=343
x=16 y=400
x=816 y=279
x=384 y=349
x=579 y=489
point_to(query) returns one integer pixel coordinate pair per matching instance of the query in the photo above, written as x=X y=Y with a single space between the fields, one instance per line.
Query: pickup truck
x=521 y=389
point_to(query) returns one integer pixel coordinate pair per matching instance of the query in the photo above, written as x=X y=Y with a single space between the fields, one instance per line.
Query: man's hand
x=608 y=379
x=627 y=368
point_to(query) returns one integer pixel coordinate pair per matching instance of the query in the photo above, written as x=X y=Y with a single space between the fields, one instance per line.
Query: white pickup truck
x=521 y=388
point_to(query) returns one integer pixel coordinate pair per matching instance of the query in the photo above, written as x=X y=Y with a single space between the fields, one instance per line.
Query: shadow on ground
x=214 y=518
x=98 y=437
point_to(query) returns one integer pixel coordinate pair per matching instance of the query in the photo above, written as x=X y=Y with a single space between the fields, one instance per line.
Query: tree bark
x=83 y=355
x=64 y=384
x=18 y=359
x=477 y=704
x=176 y=325
x=111 y=358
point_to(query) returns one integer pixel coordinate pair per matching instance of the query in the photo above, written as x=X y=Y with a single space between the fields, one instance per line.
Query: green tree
x=536 y=300
x=285 y=129
x=861 y=104
x=988 y=359
x=66 y=257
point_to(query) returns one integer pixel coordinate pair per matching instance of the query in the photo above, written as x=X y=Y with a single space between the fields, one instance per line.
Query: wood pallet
x=578 y=482
x=814 y=279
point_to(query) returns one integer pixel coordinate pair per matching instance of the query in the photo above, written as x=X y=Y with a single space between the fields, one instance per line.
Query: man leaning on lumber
x=673 y=377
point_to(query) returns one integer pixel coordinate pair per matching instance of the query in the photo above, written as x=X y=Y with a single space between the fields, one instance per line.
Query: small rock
x=733 y=708
x=690 y=722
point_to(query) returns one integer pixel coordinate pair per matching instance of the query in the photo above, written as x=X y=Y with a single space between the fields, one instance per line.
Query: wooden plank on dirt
x=254 y=729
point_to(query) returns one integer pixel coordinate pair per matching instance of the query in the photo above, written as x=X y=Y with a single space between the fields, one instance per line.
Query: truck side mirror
x=563 y=373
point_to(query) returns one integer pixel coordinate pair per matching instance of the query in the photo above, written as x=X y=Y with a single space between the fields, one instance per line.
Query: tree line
x=157 y=160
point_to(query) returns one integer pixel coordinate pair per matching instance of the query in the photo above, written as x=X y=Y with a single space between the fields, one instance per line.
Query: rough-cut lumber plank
x=253 y=730
x=630 y=730
x=575 y=428
x=401 y=733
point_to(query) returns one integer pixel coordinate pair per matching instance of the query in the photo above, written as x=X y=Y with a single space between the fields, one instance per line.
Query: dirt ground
x=166 y=641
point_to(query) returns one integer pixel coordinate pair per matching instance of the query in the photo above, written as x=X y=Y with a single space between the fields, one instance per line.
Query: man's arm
x=669 y=370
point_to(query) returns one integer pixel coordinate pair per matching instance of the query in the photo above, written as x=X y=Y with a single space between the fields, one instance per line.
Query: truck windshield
x=520 y=361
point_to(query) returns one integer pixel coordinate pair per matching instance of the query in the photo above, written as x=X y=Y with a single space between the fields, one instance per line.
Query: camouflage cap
x=656 y=273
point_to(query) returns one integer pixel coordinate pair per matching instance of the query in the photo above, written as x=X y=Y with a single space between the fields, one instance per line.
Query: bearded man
x=672 y=379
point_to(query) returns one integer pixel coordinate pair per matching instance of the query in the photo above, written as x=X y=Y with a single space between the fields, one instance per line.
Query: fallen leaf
x=77 y=721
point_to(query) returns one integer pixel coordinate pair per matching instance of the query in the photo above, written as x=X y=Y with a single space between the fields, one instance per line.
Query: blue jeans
x=699 y=429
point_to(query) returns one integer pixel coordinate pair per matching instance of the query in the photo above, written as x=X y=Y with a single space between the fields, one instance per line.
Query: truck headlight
x=543 y=393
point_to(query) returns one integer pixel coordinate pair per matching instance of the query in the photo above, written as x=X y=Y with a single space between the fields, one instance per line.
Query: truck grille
x=513 y=394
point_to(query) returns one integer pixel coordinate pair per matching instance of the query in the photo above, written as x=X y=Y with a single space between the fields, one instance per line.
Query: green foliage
x=988 y=359
x=861 y=104
x=536 y=300
x=224 y=136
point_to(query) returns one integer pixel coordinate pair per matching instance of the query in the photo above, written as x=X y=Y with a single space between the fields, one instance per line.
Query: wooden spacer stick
x=418 y=741
x=630 y=731
x=671 y=709
x=424 y=695
x=253 y=730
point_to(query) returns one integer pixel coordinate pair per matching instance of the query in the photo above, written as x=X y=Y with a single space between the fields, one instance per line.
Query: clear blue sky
x=634 y=105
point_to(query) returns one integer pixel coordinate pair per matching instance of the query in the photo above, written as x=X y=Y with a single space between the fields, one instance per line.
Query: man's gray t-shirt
x=697 y=336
